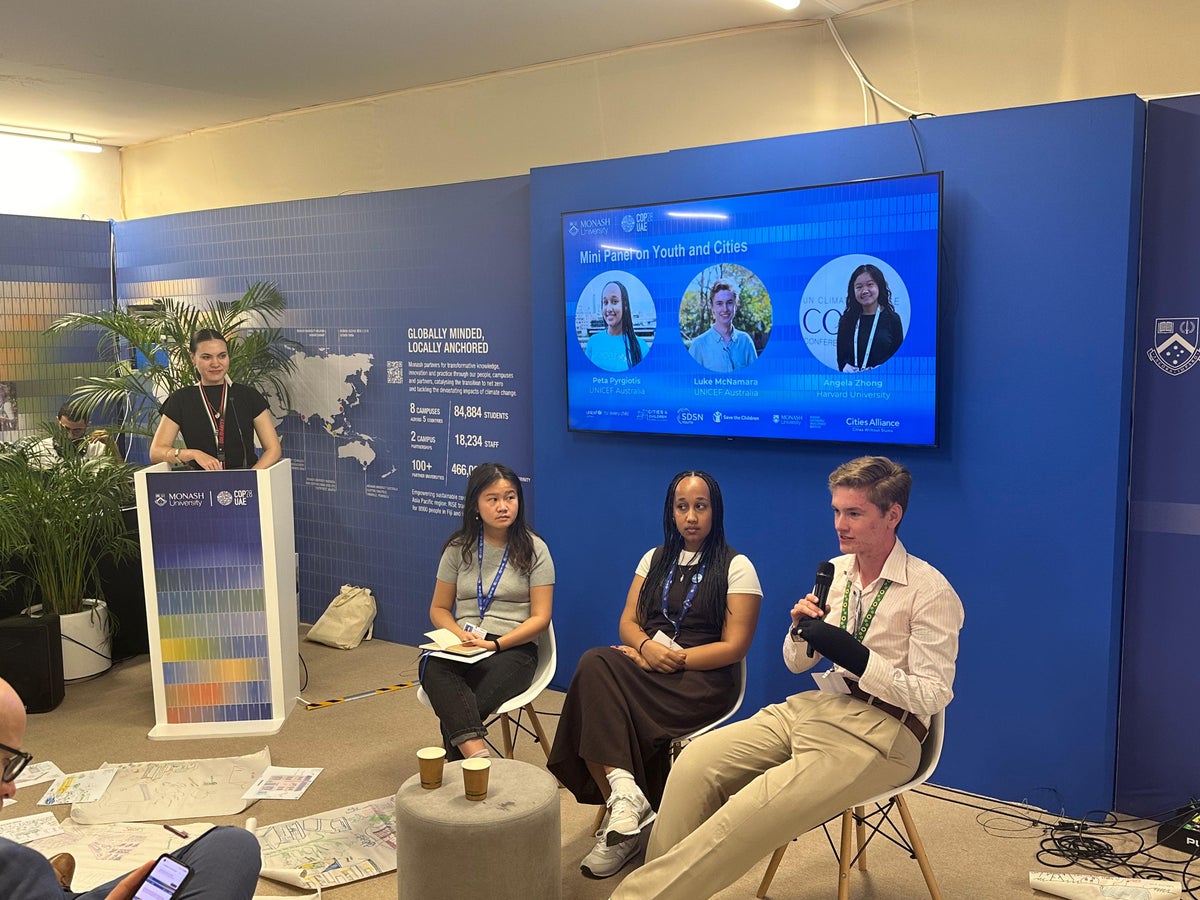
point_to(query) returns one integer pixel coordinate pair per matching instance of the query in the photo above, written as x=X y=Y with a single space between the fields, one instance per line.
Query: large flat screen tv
x=804 y=314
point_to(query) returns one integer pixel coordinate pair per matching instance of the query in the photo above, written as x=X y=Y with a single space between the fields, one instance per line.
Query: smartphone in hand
x=165 y=881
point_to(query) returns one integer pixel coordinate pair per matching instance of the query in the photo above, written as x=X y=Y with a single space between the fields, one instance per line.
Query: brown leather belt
x=906 y=718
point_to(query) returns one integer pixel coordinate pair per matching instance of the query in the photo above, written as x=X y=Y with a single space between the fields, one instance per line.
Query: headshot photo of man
x=724 y=346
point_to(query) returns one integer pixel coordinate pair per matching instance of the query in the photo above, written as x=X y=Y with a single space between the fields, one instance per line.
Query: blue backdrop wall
x=1158 y=768
x=389 y=407
x=1022 y=506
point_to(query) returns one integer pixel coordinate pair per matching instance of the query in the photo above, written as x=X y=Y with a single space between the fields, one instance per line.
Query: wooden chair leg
x=914 y=839
x=537 y=729
x=860 y=833
x=845 y=856
x=508 y=744
x=599 y=818
x=772 y=867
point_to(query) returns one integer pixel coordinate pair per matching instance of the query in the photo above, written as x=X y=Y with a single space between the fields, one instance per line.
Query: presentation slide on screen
x=803 y=314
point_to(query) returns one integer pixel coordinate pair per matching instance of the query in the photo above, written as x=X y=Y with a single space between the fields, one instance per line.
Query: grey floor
x=979 y=848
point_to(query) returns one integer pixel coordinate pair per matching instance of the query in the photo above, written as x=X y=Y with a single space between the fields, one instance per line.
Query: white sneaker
x=606 y=860
x=628 y=814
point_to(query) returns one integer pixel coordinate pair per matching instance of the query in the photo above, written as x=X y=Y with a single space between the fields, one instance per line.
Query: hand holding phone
x=165 y=880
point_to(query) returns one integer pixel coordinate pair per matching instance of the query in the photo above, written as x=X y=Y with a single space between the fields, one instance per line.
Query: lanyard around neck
x=216 y=417
x=870 y=340
x=869 y=617
x=687 y=601
x=486 y=602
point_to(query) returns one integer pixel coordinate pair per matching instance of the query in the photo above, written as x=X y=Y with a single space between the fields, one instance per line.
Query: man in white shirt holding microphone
x=891 y=630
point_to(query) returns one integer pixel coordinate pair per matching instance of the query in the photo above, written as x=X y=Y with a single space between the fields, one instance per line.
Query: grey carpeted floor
x=367 y=748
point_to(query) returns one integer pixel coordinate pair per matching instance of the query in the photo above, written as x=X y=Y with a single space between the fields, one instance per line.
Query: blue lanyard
x=687 y=601
x=486 y=602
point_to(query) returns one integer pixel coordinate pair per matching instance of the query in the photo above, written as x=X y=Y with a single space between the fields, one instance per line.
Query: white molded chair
x=542 y=676
x=910 y=841
x=678 y=744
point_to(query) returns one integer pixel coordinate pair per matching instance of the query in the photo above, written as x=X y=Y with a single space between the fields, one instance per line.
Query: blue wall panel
x=1022 y=506
x=1158 y=768
x=357 y=272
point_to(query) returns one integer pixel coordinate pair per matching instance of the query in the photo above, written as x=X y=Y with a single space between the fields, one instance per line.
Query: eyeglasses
x=16 y=763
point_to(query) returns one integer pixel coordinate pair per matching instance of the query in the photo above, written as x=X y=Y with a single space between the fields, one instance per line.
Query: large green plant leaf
x=259 y=354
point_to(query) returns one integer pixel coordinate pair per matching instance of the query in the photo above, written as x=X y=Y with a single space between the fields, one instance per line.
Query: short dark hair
x=73 y=411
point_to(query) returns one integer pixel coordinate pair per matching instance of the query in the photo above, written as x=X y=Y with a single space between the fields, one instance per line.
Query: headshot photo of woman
x=616 y=348
x=870 y=330
x=217 y=417
x=494 y=590
x=688 y=620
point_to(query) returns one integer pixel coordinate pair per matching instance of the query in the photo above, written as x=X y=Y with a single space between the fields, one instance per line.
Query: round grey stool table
x=508 y=845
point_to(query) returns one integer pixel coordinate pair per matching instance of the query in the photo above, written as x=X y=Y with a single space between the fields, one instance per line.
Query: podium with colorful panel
x=219 y=561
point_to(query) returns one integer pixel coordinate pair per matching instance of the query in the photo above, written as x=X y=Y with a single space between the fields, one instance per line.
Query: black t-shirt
x=889 y=335
x=242 y=405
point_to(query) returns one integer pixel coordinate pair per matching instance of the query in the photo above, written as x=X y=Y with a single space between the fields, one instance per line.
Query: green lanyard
x=869 y=617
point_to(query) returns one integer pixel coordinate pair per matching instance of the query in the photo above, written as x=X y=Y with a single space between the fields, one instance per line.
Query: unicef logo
x=224 y=498
x=685 y=416
x=628 y=222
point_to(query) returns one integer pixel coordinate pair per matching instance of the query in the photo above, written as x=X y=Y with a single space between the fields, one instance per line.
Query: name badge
x=831 y=682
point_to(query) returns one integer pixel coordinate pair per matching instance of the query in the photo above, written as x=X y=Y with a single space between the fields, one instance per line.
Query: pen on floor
x=176 y=831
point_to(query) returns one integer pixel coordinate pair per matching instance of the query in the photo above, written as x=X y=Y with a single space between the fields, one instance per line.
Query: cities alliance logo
x=1174 y=349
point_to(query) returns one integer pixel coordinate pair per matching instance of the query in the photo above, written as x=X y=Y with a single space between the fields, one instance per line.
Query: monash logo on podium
x=1174 y=349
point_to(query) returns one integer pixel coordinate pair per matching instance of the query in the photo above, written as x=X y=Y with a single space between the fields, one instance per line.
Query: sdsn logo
x=685 y=416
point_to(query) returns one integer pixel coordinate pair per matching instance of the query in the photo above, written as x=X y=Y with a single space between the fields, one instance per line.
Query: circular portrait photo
x=615 y=321
x=855 y=313
x=725 y=318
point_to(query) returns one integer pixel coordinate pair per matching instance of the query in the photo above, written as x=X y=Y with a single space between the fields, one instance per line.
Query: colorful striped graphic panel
x=212 y=617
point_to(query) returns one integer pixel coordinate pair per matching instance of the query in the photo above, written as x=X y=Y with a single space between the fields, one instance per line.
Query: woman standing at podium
x=218 y=417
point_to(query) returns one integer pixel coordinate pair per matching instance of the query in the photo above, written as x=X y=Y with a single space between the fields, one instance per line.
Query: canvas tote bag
x=348 y=620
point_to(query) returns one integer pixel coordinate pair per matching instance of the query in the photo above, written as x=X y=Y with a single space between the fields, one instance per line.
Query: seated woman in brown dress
x=626 y=704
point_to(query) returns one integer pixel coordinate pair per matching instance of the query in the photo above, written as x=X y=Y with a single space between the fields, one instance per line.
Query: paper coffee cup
x=475 y=778
x=431 y=760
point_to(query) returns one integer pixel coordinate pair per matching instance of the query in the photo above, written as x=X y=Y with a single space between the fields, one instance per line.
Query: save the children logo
x=1174 y=349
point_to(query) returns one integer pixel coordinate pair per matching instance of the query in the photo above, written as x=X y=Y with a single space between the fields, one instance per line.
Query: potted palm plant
x=149 y=349
x=60 y=521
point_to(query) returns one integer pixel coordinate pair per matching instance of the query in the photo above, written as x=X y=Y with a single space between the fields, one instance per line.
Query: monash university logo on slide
x=1174 y=349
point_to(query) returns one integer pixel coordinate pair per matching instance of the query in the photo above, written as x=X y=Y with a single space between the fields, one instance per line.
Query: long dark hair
x=633 y=351
x=885 y=292
x=520 y=535
x=711 y=602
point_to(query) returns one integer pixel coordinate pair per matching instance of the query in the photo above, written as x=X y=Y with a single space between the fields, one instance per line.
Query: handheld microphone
x=822 y=581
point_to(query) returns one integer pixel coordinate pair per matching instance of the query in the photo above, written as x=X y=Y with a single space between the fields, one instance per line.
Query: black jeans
x=464 y=694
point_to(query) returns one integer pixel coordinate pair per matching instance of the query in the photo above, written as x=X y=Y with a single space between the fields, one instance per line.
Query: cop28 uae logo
x=1174 y=349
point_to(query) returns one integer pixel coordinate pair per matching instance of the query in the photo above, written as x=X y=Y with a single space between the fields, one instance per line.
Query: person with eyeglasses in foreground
x=891 y=630
x=225 y=860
